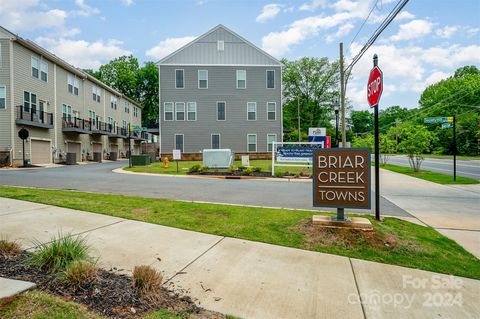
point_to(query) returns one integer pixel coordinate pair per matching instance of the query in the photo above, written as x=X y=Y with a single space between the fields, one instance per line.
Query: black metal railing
x=33 y=115
x=69 y=121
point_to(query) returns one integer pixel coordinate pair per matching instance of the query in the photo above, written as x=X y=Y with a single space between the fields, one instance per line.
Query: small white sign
x=245 y=160
x=317 y=131
x=177 y=155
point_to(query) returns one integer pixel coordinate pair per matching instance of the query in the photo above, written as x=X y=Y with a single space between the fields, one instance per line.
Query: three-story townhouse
x=219 y=91
x=64 y=109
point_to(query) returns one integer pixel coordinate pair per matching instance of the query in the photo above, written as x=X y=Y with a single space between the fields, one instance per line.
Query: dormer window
x=220 y=45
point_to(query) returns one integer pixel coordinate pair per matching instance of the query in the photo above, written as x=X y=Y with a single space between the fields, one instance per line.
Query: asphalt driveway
x=99 y=178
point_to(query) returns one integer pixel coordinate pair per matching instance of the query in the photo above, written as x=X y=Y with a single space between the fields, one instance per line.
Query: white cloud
x=167 y=46
x=436 y=77
x=83 y=54
x=341 y=32
x=28 y=15
x=84 y=9
x=312 y=5
x=413 y=30
x=127 y=3
x=404 y=15
x=269 y=11
x=446 y=32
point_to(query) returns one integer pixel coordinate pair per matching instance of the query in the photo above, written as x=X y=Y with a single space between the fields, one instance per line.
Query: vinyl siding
x=5 y=114
x=221 y=87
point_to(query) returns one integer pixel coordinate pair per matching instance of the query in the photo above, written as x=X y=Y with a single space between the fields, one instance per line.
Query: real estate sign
x=341 y=178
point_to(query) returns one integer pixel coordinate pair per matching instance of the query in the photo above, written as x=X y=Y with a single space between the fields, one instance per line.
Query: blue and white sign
x=297 y=154
x=317 y=131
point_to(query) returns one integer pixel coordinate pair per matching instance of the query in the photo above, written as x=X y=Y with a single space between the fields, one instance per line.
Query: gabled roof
x=67 y=66
x=203 y=51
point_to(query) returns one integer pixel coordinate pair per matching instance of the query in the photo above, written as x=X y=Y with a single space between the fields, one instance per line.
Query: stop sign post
x=374 y=92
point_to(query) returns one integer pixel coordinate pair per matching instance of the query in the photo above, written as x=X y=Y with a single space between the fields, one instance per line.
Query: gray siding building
x=219 y=91
x=64 y=109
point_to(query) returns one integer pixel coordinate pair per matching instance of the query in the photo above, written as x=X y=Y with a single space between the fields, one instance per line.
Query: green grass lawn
x=429 y=175
x=37 y=304
x=183 y=166
x=459 y=157
x=413 y=245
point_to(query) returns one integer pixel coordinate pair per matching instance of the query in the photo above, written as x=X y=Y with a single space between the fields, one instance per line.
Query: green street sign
x=438 y=120
x=447 y=125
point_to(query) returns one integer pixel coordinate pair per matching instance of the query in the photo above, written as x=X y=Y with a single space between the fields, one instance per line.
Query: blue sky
x=426 y=43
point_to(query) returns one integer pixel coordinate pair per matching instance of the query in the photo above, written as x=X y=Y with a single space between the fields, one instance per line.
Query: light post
x=336 y=105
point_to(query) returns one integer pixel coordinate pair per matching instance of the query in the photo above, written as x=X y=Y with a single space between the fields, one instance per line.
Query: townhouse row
x=64 y=109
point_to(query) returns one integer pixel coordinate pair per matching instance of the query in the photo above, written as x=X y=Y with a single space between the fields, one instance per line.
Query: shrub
x=195 y=168
x=232 y=169
x=60 y=252
x=146 y=280
x=9 y=249
x=256 y=169
x=279 y=174
x=248 y=171
x=241 y=168
x=80 y=273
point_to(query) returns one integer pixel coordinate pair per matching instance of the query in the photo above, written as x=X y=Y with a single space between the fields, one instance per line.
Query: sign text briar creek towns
x=341 y=178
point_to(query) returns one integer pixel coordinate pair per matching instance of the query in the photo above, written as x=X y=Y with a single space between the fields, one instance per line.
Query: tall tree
x=122 y=75
x=313 y=83
x=148 y=87
x=362 y=121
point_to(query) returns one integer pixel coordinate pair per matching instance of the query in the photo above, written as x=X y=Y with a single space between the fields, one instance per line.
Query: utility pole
x=298 y=118
x=342 y=96
x=454 y=148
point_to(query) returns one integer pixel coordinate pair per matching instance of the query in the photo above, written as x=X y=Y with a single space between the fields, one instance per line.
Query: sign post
x=454 y=149
x=129 y=145
x=23 y=134
x=177 y=155
x=374 y=92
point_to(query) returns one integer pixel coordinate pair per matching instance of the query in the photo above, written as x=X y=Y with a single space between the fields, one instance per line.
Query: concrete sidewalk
x=453 y=210
x=249 y=279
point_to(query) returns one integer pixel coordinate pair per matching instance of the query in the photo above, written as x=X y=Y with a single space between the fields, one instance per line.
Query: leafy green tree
x=393 y=115
x=458 y=95
x=387 y=147
x=416 y=140
x=122 y=74
x=311 y=83
x=148 y=87
x=364 y=141
x=362 y=121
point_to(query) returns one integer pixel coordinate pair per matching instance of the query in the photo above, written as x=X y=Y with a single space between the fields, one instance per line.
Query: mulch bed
x=111 y=294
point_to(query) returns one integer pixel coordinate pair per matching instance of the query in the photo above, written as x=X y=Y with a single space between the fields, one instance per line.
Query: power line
x=365 y=21
x=396 y=10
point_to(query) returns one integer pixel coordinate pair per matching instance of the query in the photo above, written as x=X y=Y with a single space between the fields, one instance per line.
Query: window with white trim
x=271 y=111
x=215 y=141
x=252 y=142
x=168 y=111
x=92 y=116
x=35 y=67
x=72 y=84
x=67 y=112
x=127 y=107
x=44 y=71
x=220 y=45
x=29 y=102
x=96 y=93
x=124 y=124
x=179 y=79
x=203 y=79
x=179 y=142
x=252 y=111
x=241 y=79
x=270 y=139
x=270 y=79
x=191 y=111
x=221 y=111
x=110 y=121
x=180 y=111
x=3 y=97
x=135 y=111
x=113 y=102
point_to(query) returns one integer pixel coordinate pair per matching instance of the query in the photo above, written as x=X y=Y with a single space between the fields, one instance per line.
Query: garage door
x=97 y=148
x=114 y=148
x=136 y=149
x=40 y=152
x=75 y=148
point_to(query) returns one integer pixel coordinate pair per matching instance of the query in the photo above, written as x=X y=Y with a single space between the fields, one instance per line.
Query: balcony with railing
x=71 y=124
x=33 y=117
x=140 y=136
x=100 y=128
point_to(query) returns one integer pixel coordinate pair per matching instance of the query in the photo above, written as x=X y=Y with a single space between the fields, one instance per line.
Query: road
x=100 y=178
x=445 y=166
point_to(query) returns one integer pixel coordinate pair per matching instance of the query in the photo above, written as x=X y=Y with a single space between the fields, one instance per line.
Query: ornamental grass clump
x=9 y=249
x=80 y=273
x=147 y=281
x=60 y=252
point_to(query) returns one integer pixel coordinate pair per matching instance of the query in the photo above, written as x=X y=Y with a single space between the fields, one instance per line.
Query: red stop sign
x=374 y=86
